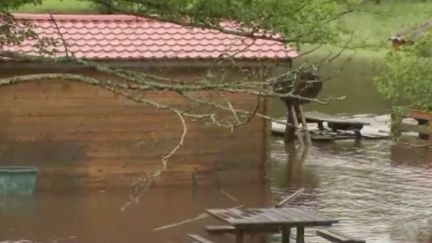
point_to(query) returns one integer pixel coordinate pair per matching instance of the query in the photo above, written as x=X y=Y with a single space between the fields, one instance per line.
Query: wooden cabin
x=85 y=137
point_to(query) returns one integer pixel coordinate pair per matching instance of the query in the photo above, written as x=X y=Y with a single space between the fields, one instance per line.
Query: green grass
x=58 y=6
x=376 y=23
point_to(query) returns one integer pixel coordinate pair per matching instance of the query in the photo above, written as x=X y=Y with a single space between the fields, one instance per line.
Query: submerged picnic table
x=334 y=122
x=263 y=219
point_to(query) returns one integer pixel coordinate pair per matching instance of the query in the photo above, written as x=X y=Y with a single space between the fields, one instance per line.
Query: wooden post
x=296 y=126
x=300 y=234
x=239 y=236
x=289 y=130
x=304 y=124
x=286 y=231
x=294 y=117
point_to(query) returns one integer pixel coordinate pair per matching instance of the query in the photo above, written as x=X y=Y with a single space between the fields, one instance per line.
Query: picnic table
x=334 y=122
x=263 y=219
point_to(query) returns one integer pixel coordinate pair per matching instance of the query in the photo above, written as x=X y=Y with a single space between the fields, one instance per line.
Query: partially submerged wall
x=83 y=136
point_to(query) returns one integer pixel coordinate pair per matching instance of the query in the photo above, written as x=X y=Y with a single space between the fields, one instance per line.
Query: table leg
x=239 y=236
x=300 y=234
x=286 y=231
x=320 y=126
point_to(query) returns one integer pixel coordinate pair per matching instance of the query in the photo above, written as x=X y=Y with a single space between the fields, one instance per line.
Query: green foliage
x=10 y=4
x=406 y=77
x=397 y=115
x=297 y=21
x=375 y=23
x=109 y=6
x=11 y=32
x=372 y=26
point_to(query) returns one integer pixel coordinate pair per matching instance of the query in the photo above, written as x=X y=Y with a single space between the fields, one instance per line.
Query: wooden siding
x=82 y=136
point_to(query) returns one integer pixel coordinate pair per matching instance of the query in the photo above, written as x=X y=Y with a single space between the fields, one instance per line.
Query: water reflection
x=378 y=190
x=288 y=169
x=96 y=217
x=12 y=206
x=406 y=154
x=374 y=196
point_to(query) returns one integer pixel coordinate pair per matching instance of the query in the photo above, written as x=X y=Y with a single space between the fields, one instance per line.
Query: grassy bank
x=375 y=23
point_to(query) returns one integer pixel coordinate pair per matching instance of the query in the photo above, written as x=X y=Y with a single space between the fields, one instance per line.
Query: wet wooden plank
x=271 y=216
x=338 y=237
x=198 y=239
x=229 y=229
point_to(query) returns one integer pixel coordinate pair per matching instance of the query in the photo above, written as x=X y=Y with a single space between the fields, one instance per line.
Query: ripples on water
x=377 y=190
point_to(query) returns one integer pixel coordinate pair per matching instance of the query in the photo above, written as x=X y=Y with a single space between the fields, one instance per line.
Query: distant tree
x=406 y=77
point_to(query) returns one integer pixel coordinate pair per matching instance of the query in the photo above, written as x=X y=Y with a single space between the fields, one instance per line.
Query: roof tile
x=131 y=37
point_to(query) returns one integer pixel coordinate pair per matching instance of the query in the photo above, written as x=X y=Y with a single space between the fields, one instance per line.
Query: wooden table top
x=271 y=217
x=314 y=116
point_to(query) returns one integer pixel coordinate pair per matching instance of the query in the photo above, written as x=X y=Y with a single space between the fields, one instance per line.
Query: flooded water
x=378 y=191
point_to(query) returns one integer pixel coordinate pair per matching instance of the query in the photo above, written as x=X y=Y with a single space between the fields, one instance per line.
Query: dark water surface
x=379 y=191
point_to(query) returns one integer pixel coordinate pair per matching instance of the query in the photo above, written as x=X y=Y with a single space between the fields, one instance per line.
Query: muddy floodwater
x=378 y=190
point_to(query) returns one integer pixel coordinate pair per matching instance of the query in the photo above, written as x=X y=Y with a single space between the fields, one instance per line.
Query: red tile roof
x=123 y=37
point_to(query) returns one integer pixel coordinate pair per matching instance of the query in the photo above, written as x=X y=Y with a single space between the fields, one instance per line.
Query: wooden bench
x=228 y=229
x=338 y=237
x=335 y=123
x=198 y=239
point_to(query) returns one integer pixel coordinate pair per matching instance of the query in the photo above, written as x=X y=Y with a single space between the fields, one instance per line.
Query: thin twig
x=229 y=195
x=289 y=198
x=199 y=217
x=60 y=34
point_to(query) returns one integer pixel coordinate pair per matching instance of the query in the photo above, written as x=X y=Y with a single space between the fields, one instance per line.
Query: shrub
x=406 y=77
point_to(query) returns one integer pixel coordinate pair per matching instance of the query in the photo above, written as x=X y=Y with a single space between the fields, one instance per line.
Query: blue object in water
x=17 y=180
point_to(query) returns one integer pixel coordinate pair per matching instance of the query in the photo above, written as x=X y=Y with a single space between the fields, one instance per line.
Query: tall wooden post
x=289 y=136
x=293 y=130
x=296 y=124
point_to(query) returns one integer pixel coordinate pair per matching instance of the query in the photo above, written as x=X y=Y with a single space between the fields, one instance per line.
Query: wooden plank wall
x=82 y=136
